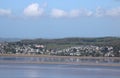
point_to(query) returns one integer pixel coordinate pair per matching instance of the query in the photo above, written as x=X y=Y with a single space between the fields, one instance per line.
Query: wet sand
x=87 y=64
x=30 y=55
x=49 y=56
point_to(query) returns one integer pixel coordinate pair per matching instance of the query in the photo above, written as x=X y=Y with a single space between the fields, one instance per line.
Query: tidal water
x=25 y=70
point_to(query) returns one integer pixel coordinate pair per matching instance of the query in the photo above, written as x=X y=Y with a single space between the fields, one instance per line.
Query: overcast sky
x=59 y=18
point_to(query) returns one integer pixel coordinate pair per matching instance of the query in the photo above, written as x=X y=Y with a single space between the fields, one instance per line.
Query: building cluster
x=6 y=48
x=82 y=50
x=87 y=50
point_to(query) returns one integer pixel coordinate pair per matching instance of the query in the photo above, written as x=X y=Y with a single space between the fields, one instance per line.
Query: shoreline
x=65 y=63
x=30 y=55
x=50 y=56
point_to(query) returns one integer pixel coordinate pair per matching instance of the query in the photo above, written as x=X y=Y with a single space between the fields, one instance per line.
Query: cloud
x=85 y=12
x=80 y=12
x=74 y=13
x=89 y=13
x=100 y=12
x=5 y=12
x=58 y=13
x=33 y=10
x=114 y=12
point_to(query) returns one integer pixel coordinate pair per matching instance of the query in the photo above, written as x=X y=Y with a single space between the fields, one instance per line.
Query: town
x=79 y=50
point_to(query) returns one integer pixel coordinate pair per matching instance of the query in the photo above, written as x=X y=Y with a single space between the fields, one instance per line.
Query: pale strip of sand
x=72 y=63
x=50 y=56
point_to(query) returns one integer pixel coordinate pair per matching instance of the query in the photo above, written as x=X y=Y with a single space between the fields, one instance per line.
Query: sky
x=59 y=18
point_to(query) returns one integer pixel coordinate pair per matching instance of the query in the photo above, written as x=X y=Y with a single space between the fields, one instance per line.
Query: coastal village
x=81 y=50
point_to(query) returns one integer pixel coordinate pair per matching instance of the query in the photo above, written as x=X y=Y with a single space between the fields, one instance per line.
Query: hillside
x=105 y=46
x=103 y=41
x=80 y=41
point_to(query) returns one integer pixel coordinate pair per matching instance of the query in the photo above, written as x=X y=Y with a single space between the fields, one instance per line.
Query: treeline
x=104 y=41
x=77 y=41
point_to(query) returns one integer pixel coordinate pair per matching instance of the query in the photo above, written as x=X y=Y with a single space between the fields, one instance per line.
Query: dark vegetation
x=68 y=42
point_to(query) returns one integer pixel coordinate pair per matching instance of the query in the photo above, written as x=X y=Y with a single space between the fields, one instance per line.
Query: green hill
x=65 y=42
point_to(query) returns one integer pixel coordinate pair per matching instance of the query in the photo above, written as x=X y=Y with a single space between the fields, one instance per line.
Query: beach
x=47 y=59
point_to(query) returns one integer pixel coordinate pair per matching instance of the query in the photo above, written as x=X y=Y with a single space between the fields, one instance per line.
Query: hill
x=104 y=46
x=65 y=42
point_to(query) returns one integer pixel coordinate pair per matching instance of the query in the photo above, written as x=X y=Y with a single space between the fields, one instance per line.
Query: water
x=25 y=70
x=56 y=71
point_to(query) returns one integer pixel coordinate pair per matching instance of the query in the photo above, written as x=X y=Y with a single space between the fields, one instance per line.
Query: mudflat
x=96 y=63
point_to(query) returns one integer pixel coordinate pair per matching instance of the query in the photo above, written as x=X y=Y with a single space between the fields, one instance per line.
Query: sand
x=50 y=56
